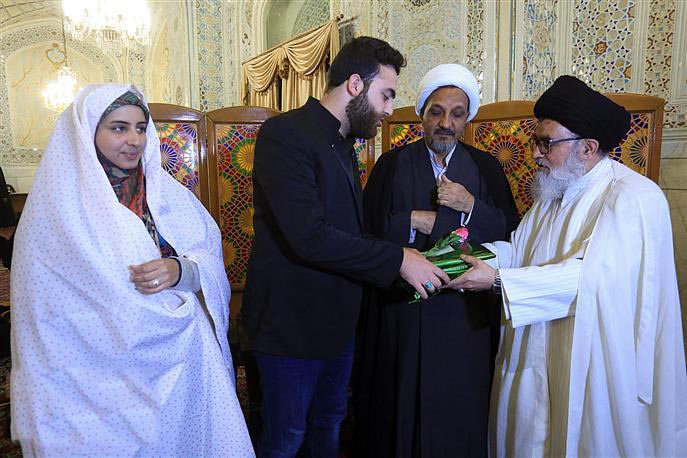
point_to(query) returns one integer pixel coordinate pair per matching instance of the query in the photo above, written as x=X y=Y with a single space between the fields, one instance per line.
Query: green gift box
x=446 y=255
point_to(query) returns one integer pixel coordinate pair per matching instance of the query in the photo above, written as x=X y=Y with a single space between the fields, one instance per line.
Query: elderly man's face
x=548 y=129
x=561 y=166
x=444 y=119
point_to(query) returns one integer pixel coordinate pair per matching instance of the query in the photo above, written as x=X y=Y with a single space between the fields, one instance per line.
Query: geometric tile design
x=235 y=147
x=603 y=33
x=539 y=47
x=403 y=134
x=179 y=149
x=507 y=141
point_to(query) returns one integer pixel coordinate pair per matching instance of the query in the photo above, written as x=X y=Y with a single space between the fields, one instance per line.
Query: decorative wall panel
x=167 y=64
x=603 y=34
x=539 y=48
x=209 y=60
x=428 y=33
x=313 y=13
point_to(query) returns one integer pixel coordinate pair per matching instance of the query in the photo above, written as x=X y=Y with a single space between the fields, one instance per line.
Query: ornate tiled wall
x=603 y=35
x=539 y=51
x=660 y=60
x=605 y=38
x=167 y=60
x=312 y=14
x=208 y=30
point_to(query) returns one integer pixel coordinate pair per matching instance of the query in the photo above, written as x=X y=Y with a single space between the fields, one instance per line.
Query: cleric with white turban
x=449 y=75
x=426 y=367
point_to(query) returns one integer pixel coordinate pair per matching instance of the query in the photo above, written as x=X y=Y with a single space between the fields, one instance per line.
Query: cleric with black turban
x=584 y=111
x=591 y=359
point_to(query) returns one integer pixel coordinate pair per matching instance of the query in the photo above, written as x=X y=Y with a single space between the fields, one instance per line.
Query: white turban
x=449 y=75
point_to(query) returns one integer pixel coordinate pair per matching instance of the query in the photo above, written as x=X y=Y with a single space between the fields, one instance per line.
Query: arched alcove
x=281 y=17
x=27 y=49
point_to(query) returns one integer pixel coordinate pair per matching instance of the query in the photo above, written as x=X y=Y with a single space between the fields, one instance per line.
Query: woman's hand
x=155 y=276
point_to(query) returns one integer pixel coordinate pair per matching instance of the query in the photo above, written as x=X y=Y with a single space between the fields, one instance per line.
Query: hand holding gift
x=447 y=251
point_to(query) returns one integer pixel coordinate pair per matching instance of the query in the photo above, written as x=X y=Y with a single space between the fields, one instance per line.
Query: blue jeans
x=304 y=403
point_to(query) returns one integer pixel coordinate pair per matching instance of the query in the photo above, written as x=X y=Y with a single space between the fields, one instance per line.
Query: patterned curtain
x=300 y=64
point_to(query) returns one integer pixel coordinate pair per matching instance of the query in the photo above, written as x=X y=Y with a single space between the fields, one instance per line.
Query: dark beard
x=362 y=117
x=440 y=147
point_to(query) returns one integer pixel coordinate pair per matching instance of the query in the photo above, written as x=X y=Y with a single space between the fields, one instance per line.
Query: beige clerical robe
x=591 y=361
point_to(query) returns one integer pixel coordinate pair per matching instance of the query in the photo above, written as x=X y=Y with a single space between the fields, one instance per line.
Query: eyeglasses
x=544 y=144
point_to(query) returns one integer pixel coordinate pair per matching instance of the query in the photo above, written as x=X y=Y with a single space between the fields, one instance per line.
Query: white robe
x=591 y=361
x=100 y=369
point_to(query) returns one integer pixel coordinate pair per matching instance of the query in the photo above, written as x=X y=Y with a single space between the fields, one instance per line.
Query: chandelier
x=112 y=23
x=58 y=94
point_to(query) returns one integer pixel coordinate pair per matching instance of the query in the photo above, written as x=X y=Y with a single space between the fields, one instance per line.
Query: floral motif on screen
x=179 y=150
x=402 y=134
x=634 y=149
x=507 y=141
x=361 y=152
x=235 y=148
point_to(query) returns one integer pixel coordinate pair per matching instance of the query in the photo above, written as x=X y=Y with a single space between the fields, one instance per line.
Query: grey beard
x=552 y=185
x=440 y=147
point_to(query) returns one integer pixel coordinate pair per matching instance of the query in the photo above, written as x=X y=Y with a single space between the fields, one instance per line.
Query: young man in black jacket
x=309 y=259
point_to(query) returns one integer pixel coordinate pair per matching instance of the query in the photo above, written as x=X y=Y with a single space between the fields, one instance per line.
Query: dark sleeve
x=380 y=222
x=286 y=172
x=494 y=220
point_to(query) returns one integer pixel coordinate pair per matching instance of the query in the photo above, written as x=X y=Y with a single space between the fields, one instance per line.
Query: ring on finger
x=156 y=282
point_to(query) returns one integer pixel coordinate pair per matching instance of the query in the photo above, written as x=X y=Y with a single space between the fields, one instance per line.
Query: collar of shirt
x=598 y=171
x=437 y=168
x=329 y=124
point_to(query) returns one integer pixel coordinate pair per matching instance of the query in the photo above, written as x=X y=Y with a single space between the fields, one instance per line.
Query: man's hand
x=454 y=195
x=479 y=277
x=156 y=275
x=423 y=220
x=420 y=273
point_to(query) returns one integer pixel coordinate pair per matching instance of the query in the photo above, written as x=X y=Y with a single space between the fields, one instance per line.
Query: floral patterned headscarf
x=129 y=185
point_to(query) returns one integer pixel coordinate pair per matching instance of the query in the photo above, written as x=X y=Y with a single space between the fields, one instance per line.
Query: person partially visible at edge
x=120 y=301
x=423 y=385
x=309 y=258
x=591 y=361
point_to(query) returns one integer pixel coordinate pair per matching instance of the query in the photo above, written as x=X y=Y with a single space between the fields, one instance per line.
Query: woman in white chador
x=119 y=299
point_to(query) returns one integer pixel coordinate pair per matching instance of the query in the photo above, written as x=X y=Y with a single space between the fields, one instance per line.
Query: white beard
x=552 y=184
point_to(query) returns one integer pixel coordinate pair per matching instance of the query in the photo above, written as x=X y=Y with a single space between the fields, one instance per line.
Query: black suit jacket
x=309 y=257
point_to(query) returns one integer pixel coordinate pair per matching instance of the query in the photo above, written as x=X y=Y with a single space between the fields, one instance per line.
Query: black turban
x=584 y=111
